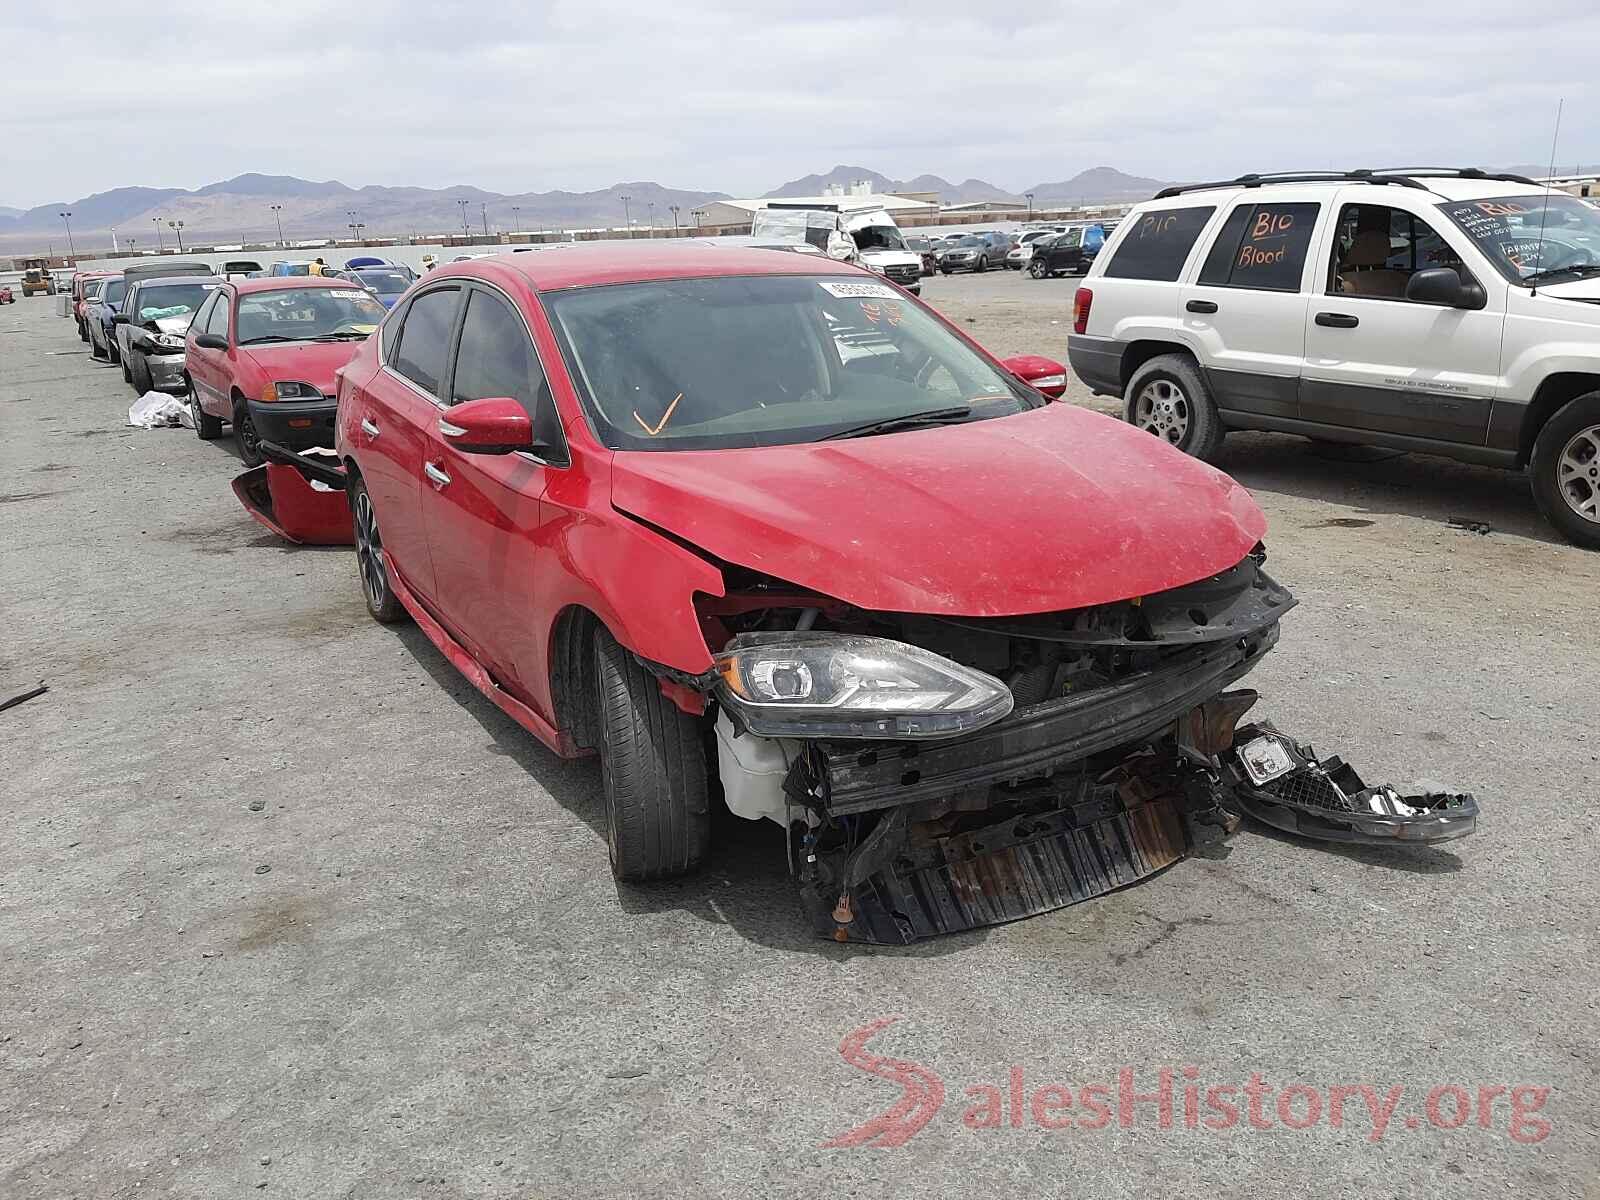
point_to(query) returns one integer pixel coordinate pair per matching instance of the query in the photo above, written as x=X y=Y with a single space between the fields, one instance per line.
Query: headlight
x=839 y=685
x=166 y=341
x=289 y=391
x=1044 y=381
x=875 y=268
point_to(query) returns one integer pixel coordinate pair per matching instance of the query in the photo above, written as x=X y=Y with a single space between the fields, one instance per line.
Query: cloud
x=713 y=94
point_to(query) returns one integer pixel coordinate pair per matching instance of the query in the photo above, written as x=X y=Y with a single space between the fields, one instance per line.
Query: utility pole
x=674 y=208
x=626 y=215
x=276 y=209
x=516 y=220
x=114 y=239
x=178 y=225
x=161 y=246
x=652 y=218
x=465 y=228
x=66 y=218
x=1030 y=205
x=483 y=211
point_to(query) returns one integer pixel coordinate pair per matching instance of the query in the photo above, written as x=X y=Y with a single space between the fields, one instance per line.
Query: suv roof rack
x=1397 y=176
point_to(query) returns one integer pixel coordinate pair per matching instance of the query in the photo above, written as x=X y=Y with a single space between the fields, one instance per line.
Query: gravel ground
x=285 y=905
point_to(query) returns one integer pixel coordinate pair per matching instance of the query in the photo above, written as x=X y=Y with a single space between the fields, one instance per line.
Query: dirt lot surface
x=286 y=909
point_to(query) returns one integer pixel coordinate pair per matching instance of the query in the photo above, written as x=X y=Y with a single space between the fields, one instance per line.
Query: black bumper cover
x=272 y=422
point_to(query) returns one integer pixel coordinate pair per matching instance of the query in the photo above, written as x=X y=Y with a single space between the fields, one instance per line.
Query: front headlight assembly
x=801 y=685
x=166 y=341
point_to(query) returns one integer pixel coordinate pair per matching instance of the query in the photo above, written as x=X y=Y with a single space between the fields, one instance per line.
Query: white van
x=1452 y=312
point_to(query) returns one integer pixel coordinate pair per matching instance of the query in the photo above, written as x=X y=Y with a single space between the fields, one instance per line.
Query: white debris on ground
x=157 y=410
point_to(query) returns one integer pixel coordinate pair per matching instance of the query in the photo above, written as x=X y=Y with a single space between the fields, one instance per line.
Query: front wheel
x=1565 y=471
x=139 y=373
x=1036 y=269
x=245 y=436
x=983 y=265
x=371 y=560
x=653 y=769
x=1168 y=398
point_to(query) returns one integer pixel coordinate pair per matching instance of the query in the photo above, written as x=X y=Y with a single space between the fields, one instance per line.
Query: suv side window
x=1261 y=246
x=1158 y=244
x=424 y=338
x=1377 y=249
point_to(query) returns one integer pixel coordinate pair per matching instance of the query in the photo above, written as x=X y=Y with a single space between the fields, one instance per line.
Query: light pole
x=114 y=239
x=674 y=208
x=626 y=215
x=483 y=211
x=465 y=228
x=131 y=243
x=1030 y=205
x=178 y=225
x=276 y=209
x=652 y=218
x=516 y=220
x=699 y=215
x=66 y=219
x=161 y=246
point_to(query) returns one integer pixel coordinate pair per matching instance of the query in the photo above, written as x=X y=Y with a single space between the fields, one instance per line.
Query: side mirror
x=120 y=319
x=493 y=425
x=1042 y=374
x=1443 y=285
x=211 y=341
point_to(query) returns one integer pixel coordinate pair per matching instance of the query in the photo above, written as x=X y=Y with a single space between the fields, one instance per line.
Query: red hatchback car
x=261 y=354
x=762 y=525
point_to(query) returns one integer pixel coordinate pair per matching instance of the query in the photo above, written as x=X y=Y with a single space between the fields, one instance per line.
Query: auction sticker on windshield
x=846 y=291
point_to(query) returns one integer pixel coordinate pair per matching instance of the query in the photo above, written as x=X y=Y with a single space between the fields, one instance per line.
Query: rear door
x=395 y=412
x=1245 y=306
x=484 y=513
x=1377 y=361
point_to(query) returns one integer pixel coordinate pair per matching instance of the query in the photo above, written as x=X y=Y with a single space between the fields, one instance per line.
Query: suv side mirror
x=211 y=341
x=1443 y=285
x=493 y=425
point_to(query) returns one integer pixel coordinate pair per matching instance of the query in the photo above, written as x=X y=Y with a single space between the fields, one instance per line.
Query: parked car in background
x=7 y=296
x=969 y=252
x=1069 y=253
x=239 y=268
x=1420 y=310
x=81 y=285
x=97 y=316
x=386 y=283
x=262 y=356
x=1019 y=254
x=150 y=329
x=289 y=270
x=918 y=244
x=164 y=269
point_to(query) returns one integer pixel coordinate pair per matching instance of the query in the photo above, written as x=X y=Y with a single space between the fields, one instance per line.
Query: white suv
x=1452 y=312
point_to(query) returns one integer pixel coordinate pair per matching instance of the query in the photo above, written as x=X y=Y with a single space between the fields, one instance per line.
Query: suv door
x=484 y=513
x=1245 y=310
x=395 y=412
x=1377 y=361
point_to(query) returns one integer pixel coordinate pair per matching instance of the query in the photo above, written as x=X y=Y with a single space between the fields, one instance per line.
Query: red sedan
x=763 y=526
x=261 y=354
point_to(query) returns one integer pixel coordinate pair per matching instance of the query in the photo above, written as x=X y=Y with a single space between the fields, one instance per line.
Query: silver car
x=151 y=326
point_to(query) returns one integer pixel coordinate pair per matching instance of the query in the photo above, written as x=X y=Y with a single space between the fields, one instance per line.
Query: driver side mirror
x=493 y=425
x=1443 y=285
x=1042 y=374
x=211 y=341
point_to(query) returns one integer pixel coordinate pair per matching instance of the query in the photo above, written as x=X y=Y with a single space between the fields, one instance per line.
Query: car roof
x=588 y=264
x=158 y=280
x=1471 y=186
x=283 y=283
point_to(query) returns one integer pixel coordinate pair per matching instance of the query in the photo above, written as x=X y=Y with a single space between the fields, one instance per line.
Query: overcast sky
x=740 y=96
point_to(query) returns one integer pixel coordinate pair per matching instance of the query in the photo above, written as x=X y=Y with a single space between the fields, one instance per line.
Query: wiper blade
x=936 y=416
x=337 y=337
x=1577 y=269
x=269 y=337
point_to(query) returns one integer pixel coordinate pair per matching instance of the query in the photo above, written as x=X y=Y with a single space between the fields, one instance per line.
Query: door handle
x=435 y=476
x=1338 y=320
x=1201 y=306
x=369 y=427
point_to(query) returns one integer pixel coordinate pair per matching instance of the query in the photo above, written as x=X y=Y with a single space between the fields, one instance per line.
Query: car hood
x=891 y=258
x=1576 y=289
x=177 y=325
x=1052 y=509
x=304 y=362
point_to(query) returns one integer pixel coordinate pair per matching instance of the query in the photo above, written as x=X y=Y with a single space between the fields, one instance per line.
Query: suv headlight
x=289 y=391
x=844 y=686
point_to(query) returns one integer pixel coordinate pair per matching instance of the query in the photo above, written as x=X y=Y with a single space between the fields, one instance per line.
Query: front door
x=1377 y=361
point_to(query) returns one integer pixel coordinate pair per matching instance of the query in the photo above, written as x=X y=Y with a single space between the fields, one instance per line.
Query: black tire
x=245 y=436
x=1569 y=445
x=1036 y=268
x=139 y=373
x=83 y=332
x=113 y=351
x=94 y=350
x=126 y=378
x=371 y=562
x=944 y=270
x=1183 y=412
x=206 y=427
x=983 y=264
x=653 y=768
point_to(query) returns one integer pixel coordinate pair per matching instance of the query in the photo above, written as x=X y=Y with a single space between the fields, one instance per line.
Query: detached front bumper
x=297 y=424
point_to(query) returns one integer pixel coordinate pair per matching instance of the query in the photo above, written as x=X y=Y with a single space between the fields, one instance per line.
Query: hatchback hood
x=1052 y=509
x=303 y=362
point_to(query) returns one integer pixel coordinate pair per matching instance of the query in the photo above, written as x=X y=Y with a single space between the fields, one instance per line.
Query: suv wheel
x=1565 y=471
x=1036 y=268
x=983 y=263
x=370 y=558
x=1168 y=397
x=653 y=768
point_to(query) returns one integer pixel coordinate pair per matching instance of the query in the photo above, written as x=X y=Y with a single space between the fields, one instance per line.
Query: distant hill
x=1098 y=183
x=843 y=176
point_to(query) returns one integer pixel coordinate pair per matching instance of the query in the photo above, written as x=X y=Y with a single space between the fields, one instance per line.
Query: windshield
x=794 y=225
x=972 y=241
x=172 y=300
x=879 y=237
x=765 y=360
x=1508 y=230
x=384 y=281
x=301 y=314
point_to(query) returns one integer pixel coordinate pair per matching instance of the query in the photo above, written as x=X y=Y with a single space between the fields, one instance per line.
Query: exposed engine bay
x=938 y=774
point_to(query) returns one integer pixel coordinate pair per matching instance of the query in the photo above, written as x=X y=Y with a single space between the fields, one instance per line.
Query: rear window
x=1158 y=244
x=1261 y=246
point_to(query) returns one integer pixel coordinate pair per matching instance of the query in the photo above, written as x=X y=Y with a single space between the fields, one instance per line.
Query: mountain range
x=249 y=207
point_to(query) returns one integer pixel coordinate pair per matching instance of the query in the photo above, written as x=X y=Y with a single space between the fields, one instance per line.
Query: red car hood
x=1052 y=509
x=304 y=362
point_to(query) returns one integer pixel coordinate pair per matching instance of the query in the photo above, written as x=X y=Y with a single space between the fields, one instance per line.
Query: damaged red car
x=762 y=529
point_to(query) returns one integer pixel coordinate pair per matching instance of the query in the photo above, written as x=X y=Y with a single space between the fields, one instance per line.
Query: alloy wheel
x=1578 y=473
x=369 y=552
x=1161 y=408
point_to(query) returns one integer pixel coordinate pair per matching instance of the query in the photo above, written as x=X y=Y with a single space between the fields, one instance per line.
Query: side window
x=201 y=319
x=496 y=358
x=1262 y=246
x=391 y=331
x=1377 y=249
x=1158 y=244
x=424 y=338
x=218 y=324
